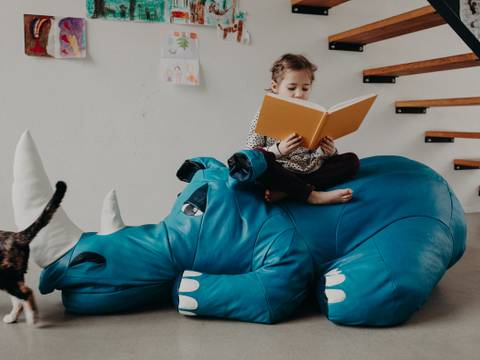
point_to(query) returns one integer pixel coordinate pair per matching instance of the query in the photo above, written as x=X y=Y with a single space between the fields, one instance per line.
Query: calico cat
x=14 y=252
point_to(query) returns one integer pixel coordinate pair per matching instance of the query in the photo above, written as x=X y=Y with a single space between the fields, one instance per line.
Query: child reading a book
x=293 y=170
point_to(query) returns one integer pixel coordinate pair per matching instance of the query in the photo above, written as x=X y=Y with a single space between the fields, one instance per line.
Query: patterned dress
x=301 y=160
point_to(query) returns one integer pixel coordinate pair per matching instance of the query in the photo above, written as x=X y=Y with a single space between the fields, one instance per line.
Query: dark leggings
x=334 y=170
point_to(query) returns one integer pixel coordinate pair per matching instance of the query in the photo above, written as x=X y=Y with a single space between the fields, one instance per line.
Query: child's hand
x=327 y=145
x=292 y=142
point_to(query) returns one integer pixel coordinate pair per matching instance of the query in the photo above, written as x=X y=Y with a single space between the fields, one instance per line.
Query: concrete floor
x=447 y=327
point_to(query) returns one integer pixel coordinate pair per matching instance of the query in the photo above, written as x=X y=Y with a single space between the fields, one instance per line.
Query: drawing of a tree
x=99 y=8
x=132 y=9
x=183 y=42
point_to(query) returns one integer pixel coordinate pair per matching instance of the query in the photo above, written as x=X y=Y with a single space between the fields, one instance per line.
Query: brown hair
x=291 y=62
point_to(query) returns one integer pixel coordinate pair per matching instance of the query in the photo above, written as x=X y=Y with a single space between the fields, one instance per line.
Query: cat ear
x=31 y=191
x=111 y=220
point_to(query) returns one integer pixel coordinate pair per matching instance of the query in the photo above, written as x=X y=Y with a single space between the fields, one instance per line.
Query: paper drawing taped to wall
x=56 y=37
x=180 y=44
x=37 y=35
x=234 y=32
x=204 y=12
x=71 y=39
x=133 y=10
x=180 y=59
x=470 y=15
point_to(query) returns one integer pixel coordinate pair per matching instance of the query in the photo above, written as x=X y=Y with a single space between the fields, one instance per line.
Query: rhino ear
x=188 y=170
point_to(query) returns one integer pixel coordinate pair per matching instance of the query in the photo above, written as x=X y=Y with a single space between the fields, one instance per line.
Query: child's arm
x=255 y=140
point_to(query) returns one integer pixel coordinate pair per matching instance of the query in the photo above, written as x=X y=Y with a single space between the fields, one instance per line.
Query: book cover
x=279 y=117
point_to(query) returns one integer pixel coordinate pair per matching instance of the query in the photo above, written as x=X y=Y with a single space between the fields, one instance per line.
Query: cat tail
x=46 y=215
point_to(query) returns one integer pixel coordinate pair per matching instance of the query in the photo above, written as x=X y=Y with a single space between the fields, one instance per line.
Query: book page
x=347 y=118
x=304 y=103
x=347 y=103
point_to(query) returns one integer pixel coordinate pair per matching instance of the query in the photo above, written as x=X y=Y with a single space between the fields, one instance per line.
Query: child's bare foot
x=274 y=196
x=330 y=197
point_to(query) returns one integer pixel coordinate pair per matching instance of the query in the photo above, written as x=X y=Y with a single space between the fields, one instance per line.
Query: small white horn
x=111 y=220
x=31 y=192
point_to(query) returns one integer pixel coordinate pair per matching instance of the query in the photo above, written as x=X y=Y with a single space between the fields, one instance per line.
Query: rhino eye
x=197 y=202
x=191 y=210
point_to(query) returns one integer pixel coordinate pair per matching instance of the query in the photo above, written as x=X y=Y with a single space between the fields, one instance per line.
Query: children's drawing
x=133 y=10
x=71 y=38
x=37 y=35
x=180 y=44
x=470 y=15
x=180 y=71
x=204 y=12
x=63 y=37
x=234 y=32
x=180 y=62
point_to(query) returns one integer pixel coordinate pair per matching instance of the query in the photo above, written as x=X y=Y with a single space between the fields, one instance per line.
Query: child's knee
x=353 y=163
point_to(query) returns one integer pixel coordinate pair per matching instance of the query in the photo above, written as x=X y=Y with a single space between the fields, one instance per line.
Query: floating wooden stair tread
x=421 y=106
x=449 y=136
x=465 y=164
x=315 y=7
x=318 y=3
x=386 y=73
x=416 y=20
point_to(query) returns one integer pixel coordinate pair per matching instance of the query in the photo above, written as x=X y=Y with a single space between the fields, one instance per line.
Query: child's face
x=295 y=84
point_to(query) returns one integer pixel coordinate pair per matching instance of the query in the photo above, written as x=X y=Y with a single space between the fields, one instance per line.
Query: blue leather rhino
x=223 y=252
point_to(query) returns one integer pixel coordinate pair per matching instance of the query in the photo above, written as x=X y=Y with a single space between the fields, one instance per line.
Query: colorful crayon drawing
x=180 y=44
x=37 y=35
x=180 y=60
x=71 y=38
x=204 y=12
x=63 y=37
x=133 y=10
x=180 y=71
x=234 y=32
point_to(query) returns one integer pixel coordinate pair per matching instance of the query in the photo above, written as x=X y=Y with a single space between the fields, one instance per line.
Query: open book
x=280 y=116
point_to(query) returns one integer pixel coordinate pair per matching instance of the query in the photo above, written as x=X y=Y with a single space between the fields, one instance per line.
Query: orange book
x=280 y=116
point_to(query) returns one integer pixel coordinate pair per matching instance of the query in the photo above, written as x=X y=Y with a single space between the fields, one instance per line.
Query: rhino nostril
x=87 y=257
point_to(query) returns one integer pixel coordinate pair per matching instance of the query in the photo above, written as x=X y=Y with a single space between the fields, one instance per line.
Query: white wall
x=110 y=122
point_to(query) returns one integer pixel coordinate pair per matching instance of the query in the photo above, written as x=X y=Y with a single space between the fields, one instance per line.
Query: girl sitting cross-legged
x=293 y=170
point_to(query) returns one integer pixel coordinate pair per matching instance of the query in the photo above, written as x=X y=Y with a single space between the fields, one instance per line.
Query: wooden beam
x=412 y=21
x=425 y=66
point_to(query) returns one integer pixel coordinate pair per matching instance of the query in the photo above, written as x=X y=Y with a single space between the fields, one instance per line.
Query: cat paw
x=187 y=304
x=31 y=318
x=333 y=278
x=9 y=319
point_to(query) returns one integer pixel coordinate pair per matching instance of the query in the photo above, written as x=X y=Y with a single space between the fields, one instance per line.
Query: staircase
x=438 y=13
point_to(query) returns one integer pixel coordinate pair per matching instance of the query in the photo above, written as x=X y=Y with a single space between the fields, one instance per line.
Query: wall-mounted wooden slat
x=412 y=21
x=453 y=134
x=439 y=102
x=464 y=164
x=421 y=106
x=425 y=66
